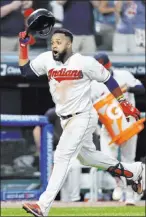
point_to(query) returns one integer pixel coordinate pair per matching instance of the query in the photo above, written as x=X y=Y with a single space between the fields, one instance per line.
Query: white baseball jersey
x=70 y=83
x=123 y=77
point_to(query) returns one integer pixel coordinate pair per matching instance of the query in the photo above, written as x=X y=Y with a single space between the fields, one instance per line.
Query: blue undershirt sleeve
x=26 y=70
x=111 y=84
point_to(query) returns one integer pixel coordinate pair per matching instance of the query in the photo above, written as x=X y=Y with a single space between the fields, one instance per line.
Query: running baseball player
x=70 y=75
x=128 y=149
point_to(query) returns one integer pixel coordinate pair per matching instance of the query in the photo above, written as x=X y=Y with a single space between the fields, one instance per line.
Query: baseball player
x=70 y=75
x=128 y=149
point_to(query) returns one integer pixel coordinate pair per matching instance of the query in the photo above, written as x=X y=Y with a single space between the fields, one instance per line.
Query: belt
x=69 y=116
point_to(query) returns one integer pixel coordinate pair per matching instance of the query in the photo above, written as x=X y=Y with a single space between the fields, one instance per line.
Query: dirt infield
x=18 y=204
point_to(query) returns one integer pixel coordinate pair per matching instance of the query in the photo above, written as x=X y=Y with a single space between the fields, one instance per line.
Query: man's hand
x=129 y=110
x=25 y=41
x=16 y=5
x=27 y=4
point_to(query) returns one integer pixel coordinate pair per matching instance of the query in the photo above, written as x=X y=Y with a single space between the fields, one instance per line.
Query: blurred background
x=115 y=27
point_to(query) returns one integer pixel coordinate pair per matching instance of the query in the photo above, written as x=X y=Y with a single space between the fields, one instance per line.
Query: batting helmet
x=40 y=22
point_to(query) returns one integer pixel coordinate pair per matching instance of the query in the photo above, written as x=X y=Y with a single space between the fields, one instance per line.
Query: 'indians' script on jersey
x=64 y=74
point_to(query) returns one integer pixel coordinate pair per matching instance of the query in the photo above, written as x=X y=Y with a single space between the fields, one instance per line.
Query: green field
x=82 y=211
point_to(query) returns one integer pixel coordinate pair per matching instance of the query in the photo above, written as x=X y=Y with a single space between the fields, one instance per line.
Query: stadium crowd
x=110 y=25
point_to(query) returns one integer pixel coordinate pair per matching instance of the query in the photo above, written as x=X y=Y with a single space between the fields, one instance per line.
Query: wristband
x=23 y=51
x=120 y=98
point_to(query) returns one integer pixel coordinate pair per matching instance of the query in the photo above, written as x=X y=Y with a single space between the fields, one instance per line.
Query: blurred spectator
x=79 y=19
x=26 y=4
x=58 y=13
x=106 y=21
x=140 y=25
x=124 y=40
x=12 y=22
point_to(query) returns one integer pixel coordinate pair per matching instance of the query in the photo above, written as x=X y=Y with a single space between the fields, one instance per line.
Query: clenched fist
x=129 y=109
x=29 y=40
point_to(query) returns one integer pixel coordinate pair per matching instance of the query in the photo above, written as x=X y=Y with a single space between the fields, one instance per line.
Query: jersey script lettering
x=64 y=74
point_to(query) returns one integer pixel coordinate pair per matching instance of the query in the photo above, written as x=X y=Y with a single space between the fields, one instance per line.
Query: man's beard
x=60 y=57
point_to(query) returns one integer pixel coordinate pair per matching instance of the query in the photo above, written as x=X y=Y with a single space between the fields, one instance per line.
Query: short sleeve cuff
x=31 y=66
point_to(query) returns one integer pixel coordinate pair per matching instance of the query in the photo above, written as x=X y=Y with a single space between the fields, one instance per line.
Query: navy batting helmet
x=40 y=22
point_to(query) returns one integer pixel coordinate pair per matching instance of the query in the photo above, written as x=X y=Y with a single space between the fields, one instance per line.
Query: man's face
x=60 y=45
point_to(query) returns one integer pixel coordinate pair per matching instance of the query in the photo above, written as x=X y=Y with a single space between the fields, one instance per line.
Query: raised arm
x=23 y=48
x=118 y=9
x=36 y=65
x=24 y=61
x=9 y=8
x=62 y=2
x=104 y=8
x=95 y=4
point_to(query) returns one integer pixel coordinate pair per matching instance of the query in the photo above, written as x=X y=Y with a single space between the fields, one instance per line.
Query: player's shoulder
x=82 y=57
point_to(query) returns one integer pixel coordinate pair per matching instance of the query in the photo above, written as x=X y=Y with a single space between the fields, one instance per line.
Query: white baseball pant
x=75 y=141
x=71 y=188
